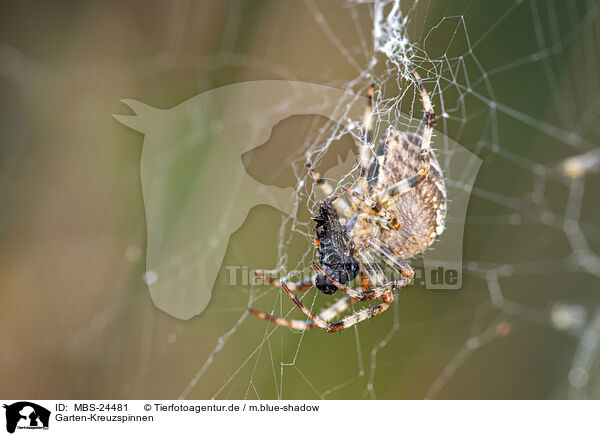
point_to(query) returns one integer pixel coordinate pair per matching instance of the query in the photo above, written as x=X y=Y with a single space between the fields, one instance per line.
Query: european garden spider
x=396 y=210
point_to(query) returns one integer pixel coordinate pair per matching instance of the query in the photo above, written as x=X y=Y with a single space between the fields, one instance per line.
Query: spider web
x=517 y=85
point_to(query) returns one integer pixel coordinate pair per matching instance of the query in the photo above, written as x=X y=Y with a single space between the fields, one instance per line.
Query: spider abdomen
x=420 y=212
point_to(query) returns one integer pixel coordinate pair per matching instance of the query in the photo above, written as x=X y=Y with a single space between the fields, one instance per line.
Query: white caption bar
x=299 y=417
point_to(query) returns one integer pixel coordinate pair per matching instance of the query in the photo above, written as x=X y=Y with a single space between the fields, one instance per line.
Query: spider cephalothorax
x=397 y=209
x=336 y=250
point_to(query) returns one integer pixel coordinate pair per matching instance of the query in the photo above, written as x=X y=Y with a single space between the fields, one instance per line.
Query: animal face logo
x=26 y=415
x=195 y=188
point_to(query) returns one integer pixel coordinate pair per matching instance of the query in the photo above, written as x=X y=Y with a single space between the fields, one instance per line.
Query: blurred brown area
x=76 y=316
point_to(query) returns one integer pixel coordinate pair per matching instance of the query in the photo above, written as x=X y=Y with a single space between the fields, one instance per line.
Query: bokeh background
x=76 y=321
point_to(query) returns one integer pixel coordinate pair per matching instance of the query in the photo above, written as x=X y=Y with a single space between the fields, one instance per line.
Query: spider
x=397 y=209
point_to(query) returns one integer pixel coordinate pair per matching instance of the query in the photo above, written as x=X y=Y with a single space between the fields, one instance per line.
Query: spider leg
x=316 y=320
x=300 y=286
x=377 y=208
x=409 y=183
x=382 y=223
x=373 y=173
x=342 y=207
x=396 y=262
x=366 y=153
x=331 y=312
x=403 y=186
x=429 y=118
x=366 y=313
x=291 y=323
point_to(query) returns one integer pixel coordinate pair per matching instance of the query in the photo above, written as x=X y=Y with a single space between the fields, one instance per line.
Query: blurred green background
x=76 y=319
